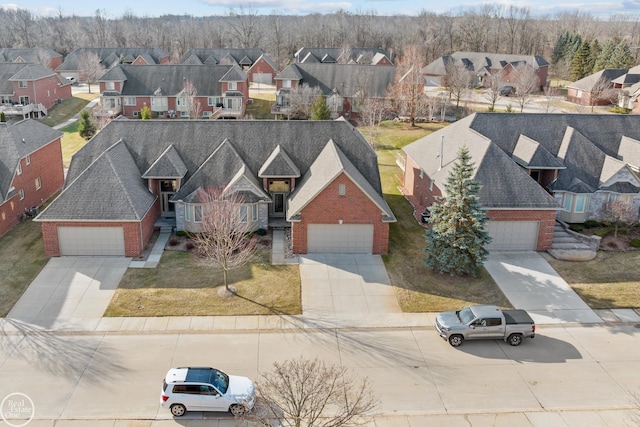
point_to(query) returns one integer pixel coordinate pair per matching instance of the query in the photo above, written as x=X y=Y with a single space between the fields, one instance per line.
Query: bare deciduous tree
x=603 y=90
x=620 y=213
x=457 y=81
x=372 y=111
x=224 y=239
x=188 y=98
x=301 y=392
x=409 y=86
x=493 y=84
x=90 y=68
x=301 y=100
x=526 y=83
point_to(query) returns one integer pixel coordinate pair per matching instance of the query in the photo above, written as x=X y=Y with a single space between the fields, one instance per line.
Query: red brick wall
x=261 y=66
x=136 y=234
x=353 y=208
x=45 y=163
x=416 y=190
x=43 y=91
x=546 y=219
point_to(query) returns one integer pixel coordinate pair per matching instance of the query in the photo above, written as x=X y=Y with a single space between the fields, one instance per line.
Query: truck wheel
x=456 y=340
x=514 y=339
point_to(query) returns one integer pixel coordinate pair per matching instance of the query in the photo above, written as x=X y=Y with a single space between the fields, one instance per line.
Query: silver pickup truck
x=485 y=321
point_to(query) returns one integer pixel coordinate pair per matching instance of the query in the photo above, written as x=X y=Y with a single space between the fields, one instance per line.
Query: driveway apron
x=346 y=289
x=70 y=290
x=530 y=283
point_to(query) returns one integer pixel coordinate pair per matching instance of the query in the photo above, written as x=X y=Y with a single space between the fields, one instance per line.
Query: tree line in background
x=574 y=57
x=487 y=28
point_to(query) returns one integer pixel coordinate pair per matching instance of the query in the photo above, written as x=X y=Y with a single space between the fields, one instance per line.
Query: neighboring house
x=629 y=85
x=341 y=84
x=569 y=169
x=254 y=62
x=32 y=170
x=482 y=65
x=29 y=90
x=318 y=177
x=220 y=90
x=597 y=88
x=47 y=57
x=358 y=55
x=109 y=58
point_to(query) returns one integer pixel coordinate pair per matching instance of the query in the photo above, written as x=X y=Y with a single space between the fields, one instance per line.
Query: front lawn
x=179 y=286
x=611 y=280
x=21 y=259
x=60 y=113
x=260 y=107
x=71 y=142
x=418 y=288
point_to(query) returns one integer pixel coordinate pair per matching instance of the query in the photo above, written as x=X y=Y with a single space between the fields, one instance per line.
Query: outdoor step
x=572 y=254
x=565 y=239
x=570 y=245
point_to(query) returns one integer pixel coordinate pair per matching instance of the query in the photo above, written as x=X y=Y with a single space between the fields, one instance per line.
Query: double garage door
x=91 y=241
x=340 y=238
x=262 y=78
x=513 y=235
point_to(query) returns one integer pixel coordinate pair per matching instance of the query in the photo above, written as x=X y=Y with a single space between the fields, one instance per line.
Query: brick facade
x=261 y=66
x=419 y=192
x=329 y=207
x=43 y=91
x=45 y=164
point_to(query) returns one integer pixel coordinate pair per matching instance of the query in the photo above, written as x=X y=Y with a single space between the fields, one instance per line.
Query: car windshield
x=221 y=381
x=466 y=315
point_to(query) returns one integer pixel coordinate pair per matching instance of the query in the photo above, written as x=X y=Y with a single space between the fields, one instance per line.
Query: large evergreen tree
x=593 y=57
x=86 y=128
x=621 y=56
x=604 y=58
x=457 y=235
x=319 y=109
x=580 y=67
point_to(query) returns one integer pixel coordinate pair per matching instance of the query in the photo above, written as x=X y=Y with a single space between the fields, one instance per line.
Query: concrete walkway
x=530 y=283
x=76 y=117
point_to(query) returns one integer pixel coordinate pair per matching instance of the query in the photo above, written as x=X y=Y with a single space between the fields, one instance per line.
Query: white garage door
x=340 y=238
x=263 y=78
x=513 y=235
x=91 y=240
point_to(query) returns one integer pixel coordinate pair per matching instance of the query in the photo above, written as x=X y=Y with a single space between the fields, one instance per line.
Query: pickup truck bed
x=513 y=317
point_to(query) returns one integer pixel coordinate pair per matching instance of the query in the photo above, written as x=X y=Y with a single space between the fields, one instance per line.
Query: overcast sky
x=115 y=8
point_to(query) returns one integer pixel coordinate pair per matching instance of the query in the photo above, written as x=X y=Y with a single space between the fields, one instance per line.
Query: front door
x=167 y=190
x=278 y=205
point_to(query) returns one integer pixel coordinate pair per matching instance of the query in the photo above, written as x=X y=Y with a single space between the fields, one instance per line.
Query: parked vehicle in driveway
x=485 y=322
x=206 y=389
x=507 y=91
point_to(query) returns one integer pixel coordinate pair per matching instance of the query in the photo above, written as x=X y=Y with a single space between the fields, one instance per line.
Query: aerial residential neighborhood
x=415 y=218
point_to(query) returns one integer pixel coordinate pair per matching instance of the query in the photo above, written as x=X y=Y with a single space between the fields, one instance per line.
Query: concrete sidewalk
x=76 y=117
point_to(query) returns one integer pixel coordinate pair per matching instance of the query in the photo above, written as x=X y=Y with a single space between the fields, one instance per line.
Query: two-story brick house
x=32 y=158
x=47 y=57
x=254 y=62
x=170 y=91
x=341 y=85
x=333 y=55
x=29 y=90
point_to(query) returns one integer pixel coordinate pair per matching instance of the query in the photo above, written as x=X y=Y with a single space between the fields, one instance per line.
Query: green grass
x=71 y=142
x=60 y=113
x=611 y=280
x=180 y=286
x=260 y=108
x=21 y=259
x=418 y=288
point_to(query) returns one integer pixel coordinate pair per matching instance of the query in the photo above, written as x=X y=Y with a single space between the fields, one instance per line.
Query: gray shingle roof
x=477 y=61
x=279 y=164
x=170 y=79
x=111 y=55
x=110 y=189
x=28 y=54
x=16 y=142
x=244 y=146
x=588 y=150
x=32 y=72
x=587 y=83
x=357 y=55
x=329 y=164
x=344 y=79
x=8 y=70
x=241 y=56
x=168 y=165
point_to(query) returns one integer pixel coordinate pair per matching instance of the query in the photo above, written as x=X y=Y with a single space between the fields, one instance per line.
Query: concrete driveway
x=529 y=282
x=343 y=289
x=70 y=291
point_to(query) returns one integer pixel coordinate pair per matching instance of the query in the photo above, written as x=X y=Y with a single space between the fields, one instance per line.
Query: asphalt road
x=576 y=375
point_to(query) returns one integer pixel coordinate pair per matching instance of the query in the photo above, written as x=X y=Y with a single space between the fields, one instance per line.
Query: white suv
x=206 y=389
